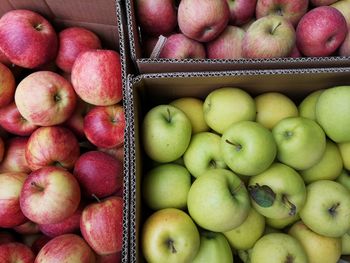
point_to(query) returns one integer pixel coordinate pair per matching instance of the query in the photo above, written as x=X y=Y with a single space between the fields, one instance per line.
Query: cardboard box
x=148 y=90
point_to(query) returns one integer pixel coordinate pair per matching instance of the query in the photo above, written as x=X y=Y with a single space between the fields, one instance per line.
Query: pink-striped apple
x=241 y=11
x=14 y=159
x=8 y=85
x=16 y=252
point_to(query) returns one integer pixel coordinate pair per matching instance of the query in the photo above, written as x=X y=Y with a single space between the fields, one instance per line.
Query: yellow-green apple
x=104 y=126
x=66 y=248
x=11 y=184
x=49 y=195
x=345 y=244
x=206 y=25
x=270 y=230
x=31 y=41
x=318 y=248
x=321 y=31
x=98 y=173
x=276 y=248
x=53 y=145
x=166 y=186
x=333 y=113
x=213 y=248
x=307 y=108
x=248 y=148
x=169 y=235
x=203 y=153
x=45 y=98
x=245 y=235
x=271 y=107
x=8 y=85
x=327 y=208
x=14 y=159
x=193 y=108
x=225 y=106
x=96 y=77
x=16 y=252
x=279 y=192
x=344 y=149
x=293 y=11
x=166 y=133
x=228 y=45
x=269 y=37
x=322 y=2
x=344 y=179
x=241 y=11
x=218 y=200
x=27 y=228
x=301 y=142
x=344 y=7
x=282 y=223
x=6 y=237
x=101 y=225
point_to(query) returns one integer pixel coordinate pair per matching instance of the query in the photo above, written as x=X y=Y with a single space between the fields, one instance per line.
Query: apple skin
x=116 y=152
x=169 y=235
x=27 y=228
x=205 y=25
x=72 y=41
x=271 y=36
x=327 y=208
x=96 y=77
x=295 y=53
x=318 y=248
x=344 y=49
x=111 y=258
x=307 y=108
x=344 y=179
x=16 y=252
x=345 y=243
x=8 y=85
x=281 y=223
x=49 y=195
x=53 y=145
x=322 y=2
x=241 y=11
x=45 y=98
x=66 y=248
x=101 y=225
x=14 y=159
x=344 y=7
x=30 y=41
x=321 y=31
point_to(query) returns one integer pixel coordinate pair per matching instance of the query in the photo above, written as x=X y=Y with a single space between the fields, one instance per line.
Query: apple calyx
x=289 y=259
x=237 y=146
x=38 y=187
x=263 y=195
x=57 y=97
x=170 y=245
x=333 y=208
x=275 y=28
x=212 y=164
x=290 y=205
x=38 y=27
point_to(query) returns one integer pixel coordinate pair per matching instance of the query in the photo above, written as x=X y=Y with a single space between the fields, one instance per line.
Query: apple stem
x=37 y=186
x=333 y=208
x=290 y=205
x=97 y=199
x=169 y=116
x=274 y=29
x=238 y=146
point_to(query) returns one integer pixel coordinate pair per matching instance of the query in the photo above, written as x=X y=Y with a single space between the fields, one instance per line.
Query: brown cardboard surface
x=39 y=6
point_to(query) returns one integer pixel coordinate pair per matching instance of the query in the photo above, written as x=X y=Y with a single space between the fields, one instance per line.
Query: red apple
x=8 y=85
x=344 y=49
x=112 y=258
x=2 y=149
x=39 y=242
x=10 y=188
x=321 y=31
x=52 y=145
x=14 y=158
x=45 y=98
x=203 y=20
x=117 y=152
x=4 y=60
x=27 y=39
x=66 y=248
x=101 y=225
x=49 y=195
x=322 y=2
x=96 y=77
x=241 y=11
x=104 y=126
x=295 y=53
x=26 y=228
x=72 y=41
x=16 y=252
x=6 y=237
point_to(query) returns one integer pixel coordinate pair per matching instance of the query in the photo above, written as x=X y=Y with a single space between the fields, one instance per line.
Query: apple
x=344 y=179
x=203 y=153
x=321 y=31
x=241 y=11
x=281 y=223
x=271 y=107
x=278 y=193
x=203 y=20
x=228 y=45
x=166 y=133
x=307 y=108
x=6 y=237
x=295 y=53
x=117 y=152
x=322 y=2
x=248 y=148
x=45 y=98
x=72 y=41
x=49 y=195
x=318 y=248
x=8 y=85
x=27 y=228
x=96 y=77
x=344 y=49
x=218 y=200
x=111 y=258
x=4 y=60
x=169 y=235
x=327 y=208
x=14 y=159
x=53 y=145
x=269 y=37
x=343 y=7
x=16 y=252
x=301 y=142
x=30 y=41
x=345 y=244
x=225 y=106
x=66 y=248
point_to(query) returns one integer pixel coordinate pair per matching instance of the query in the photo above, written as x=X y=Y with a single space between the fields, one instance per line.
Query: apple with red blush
x=117 y=152
x=8 y=85
x=14 y=158
x=16 y=252
x=241 y=11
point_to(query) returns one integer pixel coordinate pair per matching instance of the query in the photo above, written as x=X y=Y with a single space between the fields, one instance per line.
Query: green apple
x=203 y=153
x=344 y=149
x=166 y=186
x=328 y=167
x=327 y=208
x=228 y=105
x=193 y=108
x=271 y=107
x=318 y=248
x=344 y=179
x=245 y=235
x=270 y=230
x=307 y=108
x=300 y=142
x=282 y=223
x=245 y=255
x=214 y=248
x=248 y=148
x=279 y=192
x=278 y=248
x=169 y=235
x=166 y=133
x=218 y=200
x=333 y=113
x=345 y=244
